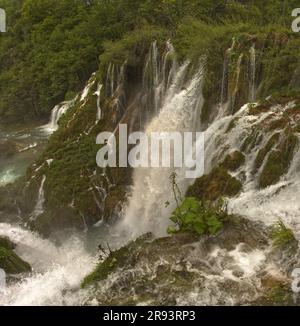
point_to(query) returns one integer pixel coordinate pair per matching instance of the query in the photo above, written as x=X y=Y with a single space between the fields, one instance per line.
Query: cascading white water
x=252 y=89
x=237 y=79
x=269 y=204
x=224 y=83
x=99 y=110
x=158 y=76
x=39 y=207
x=57 y=112
x=57 y=271
x=146 y=211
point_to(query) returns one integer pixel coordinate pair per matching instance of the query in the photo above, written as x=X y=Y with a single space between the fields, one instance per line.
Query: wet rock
x=215 y=185
x=10 y=262
x=6 y=243
x=184 y=269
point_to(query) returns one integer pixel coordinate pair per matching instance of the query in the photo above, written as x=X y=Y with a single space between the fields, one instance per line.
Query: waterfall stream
x=39 y=207
x=57 y=112
x=252 y=88
x=146 y=209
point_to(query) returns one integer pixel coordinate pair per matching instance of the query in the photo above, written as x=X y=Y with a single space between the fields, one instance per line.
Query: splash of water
x=57 y=271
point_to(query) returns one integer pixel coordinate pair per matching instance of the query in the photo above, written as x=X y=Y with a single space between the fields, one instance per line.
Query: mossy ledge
x=216 y=184
x=10 y=262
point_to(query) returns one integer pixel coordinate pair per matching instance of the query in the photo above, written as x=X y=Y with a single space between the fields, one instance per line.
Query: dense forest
x=53 y=46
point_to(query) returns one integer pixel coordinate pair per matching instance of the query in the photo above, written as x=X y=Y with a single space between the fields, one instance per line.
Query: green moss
x=116 y=260
x=279 y=295
x=264 y=151
x=215 y=185
x=273 y=170
x=282 y=236
x=11 y=263
x=254 y=139
x=278 y=161
x=6 y=243
x=233 y=161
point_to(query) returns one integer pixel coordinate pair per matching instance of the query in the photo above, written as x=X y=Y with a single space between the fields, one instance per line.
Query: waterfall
x=39 y=207
x=146 y=209
x=57 y=112
x=237 y=79
x=87 y=88
x=159 y=73
x=110 y=80
x=276 y=201
x=99 y=110
x=57 y=271
x=224 y=79
x=115 y=89
x=224 y=84
x=252 y=89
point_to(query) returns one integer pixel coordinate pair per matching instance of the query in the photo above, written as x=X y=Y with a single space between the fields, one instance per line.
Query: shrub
x=198 y=217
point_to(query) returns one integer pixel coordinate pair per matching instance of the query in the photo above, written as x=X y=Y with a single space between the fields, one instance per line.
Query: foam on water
x=57 y=271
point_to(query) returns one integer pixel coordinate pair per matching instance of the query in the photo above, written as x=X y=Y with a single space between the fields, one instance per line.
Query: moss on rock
x=278 y=161
x=233 y=161
x=6 y=243
x=264 y=151
x=215 y=185
x=11 y=263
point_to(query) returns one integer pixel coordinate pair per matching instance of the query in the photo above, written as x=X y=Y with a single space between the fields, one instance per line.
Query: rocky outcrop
x=10 y=262
x=228 y=268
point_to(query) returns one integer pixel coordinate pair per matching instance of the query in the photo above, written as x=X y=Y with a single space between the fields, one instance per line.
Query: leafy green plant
x=198 y=217
x=281 y=235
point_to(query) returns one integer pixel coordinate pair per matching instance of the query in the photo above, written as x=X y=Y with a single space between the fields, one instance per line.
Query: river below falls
x=30 y=140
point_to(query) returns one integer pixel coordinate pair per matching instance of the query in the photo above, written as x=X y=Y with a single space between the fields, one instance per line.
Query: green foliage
x=198 y=217
x=52 y=46
x=115 y=260
x=132 y=46
x=281 y=235
x=11 y=263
